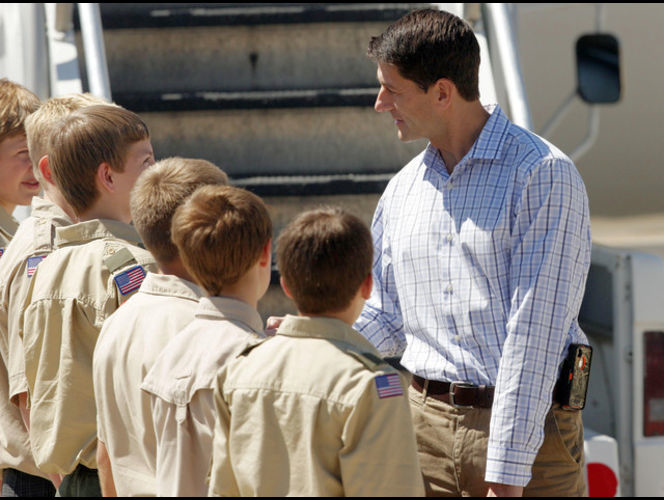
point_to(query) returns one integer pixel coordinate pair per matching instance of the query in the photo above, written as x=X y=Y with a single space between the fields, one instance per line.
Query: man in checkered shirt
x=482 y=248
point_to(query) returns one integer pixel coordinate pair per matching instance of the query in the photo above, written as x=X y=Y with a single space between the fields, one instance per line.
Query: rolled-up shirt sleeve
x=381 y=321
x=549 y=262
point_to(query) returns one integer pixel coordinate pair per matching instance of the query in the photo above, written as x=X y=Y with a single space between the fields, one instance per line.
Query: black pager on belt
x=572 y=386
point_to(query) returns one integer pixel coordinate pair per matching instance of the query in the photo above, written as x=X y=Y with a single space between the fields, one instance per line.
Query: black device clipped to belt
x=570 y=389
x=572 y=386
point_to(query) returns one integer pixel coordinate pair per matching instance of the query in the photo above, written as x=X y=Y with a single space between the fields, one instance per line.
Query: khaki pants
x=452 y=446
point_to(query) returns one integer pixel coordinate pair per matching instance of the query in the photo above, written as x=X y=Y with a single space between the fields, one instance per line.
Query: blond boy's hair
x=40 y=125
x=16 y=104
x=84 y=140
x=221 y=232
x=324 y=256
x=159 y=191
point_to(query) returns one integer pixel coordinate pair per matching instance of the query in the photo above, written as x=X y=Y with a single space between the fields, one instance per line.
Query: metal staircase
x=278 y=95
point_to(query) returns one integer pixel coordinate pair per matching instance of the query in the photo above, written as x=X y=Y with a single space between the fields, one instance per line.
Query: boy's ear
x=105 y=177
x=284 y=287
x=266 y=254
x=367 y=285
x=45 y=168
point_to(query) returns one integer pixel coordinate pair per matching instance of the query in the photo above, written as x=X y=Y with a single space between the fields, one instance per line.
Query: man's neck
x=467 y=119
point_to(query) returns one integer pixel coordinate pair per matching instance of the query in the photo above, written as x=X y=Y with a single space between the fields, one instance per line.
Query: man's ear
x=444 y=89
x=284 y=287
x=45 y=169
x=105 y=177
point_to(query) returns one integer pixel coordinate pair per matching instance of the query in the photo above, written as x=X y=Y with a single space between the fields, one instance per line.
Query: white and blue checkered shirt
x=479 y=277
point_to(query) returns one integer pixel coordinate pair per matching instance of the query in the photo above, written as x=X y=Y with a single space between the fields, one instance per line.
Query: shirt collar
x=488 y=146
x=83 y=232
x=42 y=208
x=171 y=286
x=324 y=328
x=8 y=225
x=230 y=309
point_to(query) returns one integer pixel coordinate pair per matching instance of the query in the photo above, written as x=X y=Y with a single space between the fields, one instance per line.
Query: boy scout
x=133 y=336
x=224 y=237
x=314 y=410
x=17 y=186
x=31 y=243
x=96 y=155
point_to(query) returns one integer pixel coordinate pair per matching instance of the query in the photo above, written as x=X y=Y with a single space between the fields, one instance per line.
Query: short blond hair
x=40 y=125
x=159 y=191
x=84 y=140
x=16 y=104
x=220 y=232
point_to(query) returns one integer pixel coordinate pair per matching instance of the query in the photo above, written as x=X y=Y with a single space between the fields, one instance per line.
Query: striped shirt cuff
x=505 y=466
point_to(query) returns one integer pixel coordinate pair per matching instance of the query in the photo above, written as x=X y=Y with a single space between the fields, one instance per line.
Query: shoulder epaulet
x=368 y=359
x=119 y=259
x=44 y=236
x=130 y=278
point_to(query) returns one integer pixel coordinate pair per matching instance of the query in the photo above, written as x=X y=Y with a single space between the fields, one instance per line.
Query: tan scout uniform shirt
x=32 y=241
x=129 y=342
x=314 y=411
x=95 y=269
x=10 y=442
x=8 y=226
x=181 y=382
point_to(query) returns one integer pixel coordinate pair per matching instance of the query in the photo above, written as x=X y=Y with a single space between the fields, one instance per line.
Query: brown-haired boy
x=314 y=410
x=34 y=239
x=134 y=335
x=96 y=155
x=224 y=236
x=17 y=187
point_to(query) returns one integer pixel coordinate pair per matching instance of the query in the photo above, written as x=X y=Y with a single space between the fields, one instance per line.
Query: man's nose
x=382 y=101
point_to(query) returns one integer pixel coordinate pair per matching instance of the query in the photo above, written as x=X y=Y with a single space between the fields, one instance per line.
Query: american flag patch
x=130 y=280
x=389 y=385
x=2 y=250
x=33 y=262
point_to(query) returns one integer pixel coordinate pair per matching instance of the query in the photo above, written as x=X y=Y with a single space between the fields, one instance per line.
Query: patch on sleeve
x=389 y=385
x=2 y=250
x=33 y=262
x=130 y=280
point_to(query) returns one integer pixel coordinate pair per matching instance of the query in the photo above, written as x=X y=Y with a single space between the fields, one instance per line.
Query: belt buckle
x=454 y=385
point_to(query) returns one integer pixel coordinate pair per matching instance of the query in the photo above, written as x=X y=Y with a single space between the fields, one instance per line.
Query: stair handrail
x=95 y=52
x=500 y=24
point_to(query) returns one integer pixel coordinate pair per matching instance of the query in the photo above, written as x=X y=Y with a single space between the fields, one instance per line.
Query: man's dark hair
x=426 y=45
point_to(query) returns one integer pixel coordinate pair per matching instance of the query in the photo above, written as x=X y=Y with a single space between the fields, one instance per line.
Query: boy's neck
x=244 y=291
x=174 y=268
x=8 y=207
x=347 y=316
x=55 y=197
x=99 y=211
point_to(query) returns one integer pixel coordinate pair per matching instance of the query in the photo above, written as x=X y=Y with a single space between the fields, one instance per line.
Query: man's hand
x=504 y=490
x=24 y=410
x=272 y=324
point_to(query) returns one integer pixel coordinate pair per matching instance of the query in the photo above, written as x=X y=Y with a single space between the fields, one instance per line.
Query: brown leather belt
x=458 y=394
